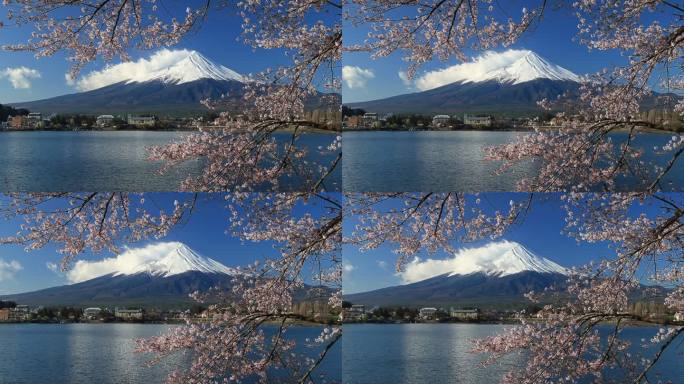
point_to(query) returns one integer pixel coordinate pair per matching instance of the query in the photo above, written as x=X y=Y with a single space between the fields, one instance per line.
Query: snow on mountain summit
x=194 y=67
x=169 y=66
x=160 y=259
x=509 y=67
x=180 y=258
x=501 y=259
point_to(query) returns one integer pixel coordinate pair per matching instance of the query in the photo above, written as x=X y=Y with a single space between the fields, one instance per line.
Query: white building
x=142 y=120
x=20 y=313
x=464 y=314
x=35 y=116
x=370 y=119
x=427 y=313
x=441 y=120
x=477 y=121
x=128 y=314
x=355 y=313
x=91 y=313
x=104 y=120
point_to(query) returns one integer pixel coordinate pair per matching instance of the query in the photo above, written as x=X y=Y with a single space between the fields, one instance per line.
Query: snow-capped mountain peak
x=532 y=66
x=501 y=259
x=160 y=259
x=180 y=259
x=194 y=66
x=514 y=66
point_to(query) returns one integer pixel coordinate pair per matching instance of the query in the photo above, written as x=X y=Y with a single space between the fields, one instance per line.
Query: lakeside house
x=477 y=121
x=92 y=313
x=16 y=314
x=464 y=314
x=142 y=121
x=427 y=313
x=356 y=312
x=441 y=120
x=104 y=120
x=370 y=120
x=128 y=314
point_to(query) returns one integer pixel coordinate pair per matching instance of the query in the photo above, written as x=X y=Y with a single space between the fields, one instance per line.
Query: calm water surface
x=447 y=161
x=439 y=353
x=99 y=353
x=101 y=161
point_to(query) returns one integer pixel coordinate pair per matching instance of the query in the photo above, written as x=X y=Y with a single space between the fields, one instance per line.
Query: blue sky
x=216 y=39
x=204 y=232
x=540 y=232
x=552 y=40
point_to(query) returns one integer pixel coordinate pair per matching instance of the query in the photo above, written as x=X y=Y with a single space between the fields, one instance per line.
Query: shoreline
x=282 y=130
x=620 y=130
x=632 y=323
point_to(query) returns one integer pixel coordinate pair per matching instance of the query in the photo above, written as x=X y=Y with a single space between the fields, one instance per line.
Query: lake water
x=99 y=353
x=439 y=353
x=447 y=161
x=101 y=161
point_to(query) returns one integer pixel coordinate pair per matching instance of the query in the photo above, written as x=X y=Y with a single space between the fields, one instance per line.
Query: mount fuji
x=171 y=87
x=175 y=89
x=496 y=83
x=163 y=276
x=495 y=276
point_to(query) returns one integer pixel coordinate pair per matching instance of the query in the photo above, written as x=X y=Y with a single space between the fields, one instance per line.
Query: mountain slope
x=163 y=276
x=140 y=289
x=153 y=96
x=476 y=289
x=507 y=83
x=509 y=67
x=490 y=97
x=493 y=276
x=158 y=276
x=174 y=258
x=174 y=90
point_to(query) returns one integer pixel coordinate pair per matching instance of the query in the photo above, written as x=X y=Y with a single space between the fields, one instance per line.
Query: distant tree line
x=346 y=111
x=7 y=111
x=7 y=304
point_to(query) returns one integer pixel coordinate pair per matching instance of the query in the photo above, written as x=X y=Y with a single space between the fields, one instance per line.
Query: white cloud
x=53 y=267
x=382 y=264
x=20 y=77
x=405 y=79
x=480 y=68
x=348 y=267
x=356 y=77
x=139 y=70
x=126 y=262
x=8 y=269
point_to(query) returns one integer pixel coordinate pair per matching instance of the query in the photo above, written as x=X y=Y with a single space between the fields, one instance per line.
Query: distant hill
x=489 y=97
x=176 y=90
x=152 y=96
x=496 y=277
x=163 y=281
x=473 y=290
x=509 y=87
